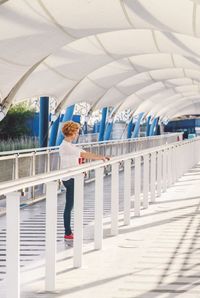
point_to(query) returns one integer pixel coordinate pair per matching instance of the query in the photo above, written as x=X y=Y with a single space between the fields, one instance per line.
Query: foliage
x=14 y=125
x=19 y=144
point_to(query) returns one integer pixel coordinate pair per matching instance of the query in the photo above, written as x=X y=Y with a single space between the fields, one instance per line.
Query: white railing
x=26 y=163
x=161 y=167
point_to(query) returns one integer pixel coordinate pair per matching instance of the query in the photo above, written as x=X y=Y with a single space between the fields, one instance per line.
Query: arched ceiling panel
x=161 y=14
x=97 y=33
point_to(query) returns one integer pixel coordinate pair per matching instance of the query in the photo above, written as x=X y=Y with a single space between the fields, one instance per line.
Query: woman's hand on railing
x=106 y=158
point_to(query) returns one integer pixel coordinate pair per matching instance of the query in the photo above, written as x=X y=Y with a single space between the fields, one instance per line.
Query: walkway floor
x=157 y=256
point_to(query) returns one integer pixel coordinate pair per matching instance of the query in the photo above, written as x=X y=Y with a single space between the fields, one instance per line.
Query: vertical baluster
x=146 y=181
x=159 y=173
x=153 y=176
x=51 y=235
x=114 y=198
x=164 y=171
x=78 y=220
x=13 y=245
x=137 y=202
x=98 y=227
x=127 y=191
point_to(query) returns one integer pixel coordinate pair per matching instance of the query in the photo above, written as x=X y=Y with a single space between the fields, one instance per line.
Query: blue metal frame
x=54 y=131
x=44 y=121
x=102 y=124
x=67 y=117
x=137 y=126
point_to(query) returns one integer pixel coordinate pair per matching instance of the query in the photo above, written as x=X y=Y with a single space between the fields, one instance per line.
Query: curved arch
x=41 y=30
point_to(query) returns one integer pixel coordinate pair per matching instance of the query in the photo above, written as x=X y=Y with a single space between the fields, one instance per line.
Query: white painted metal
x=16 y=166
x=98 y=226
x=48 y=161
x=33 y=163
x=116 y=147
x=78 y=220
x=173 y=165
x=169 y=167
x=164 y=170
x=114 y=198
x=13 y=245
x=159 y=173
x=153 y=177
x=127 y=191
x=187 y=148
x=51 y=235
x=146 y=181
x=137 y=201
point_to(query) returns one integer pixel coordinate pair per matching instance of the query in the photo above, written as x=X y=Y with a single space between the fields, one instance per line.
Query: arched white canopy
x=141 y=54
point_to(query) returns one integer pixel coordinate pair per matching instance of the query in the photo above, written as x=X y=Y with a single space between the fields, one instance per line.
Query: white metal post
x=153 y=176
x=176 y=165
x=33 y=163
x=98 y=227
x=173 y=165
x=114 y=199
x=179 y=162
x=51 y=236
x=159 y=173
x=169 y=167
x=127 y=191
x=13 y=245
x=48 y=162
x=16 y=166
x=78 y=220
x=146 y=181
x=137 y=202
x=164 y=171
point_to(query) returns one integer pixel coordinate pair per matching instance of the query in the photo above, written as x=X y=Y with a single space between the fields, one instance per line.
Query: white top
x=69 y=155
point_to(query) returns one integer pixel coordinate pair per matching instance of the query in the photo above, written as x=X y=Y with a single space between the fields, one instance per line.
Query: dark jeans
x=69 y=185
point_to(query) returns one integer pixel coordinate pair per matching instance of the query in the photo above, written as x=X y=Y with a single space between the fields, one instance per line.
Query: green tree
x=14 y=125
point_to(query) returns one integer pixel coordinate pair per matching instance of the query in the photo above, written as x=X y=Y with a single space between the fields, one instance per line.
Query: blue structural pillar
x=129 y=129
x=108 y=130
x=102 y=124
x=54 y=131
x=153 y=127
x=148 y=126
x=67 y=117
x=44 y=121
x=137 y=126
x=85 y=126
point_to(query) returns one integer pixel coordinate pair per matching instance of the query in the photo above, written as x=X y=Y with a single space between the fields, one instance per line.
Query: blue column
x=61 y=117
x=102 y=124
x=137 y=126
x=108 y=131
x=153 y=127
x=54 y=131
x=148 y=126
x=85 y=126
x=67 y=117
x=129 y=129
x=44 y=121
x=156 y=130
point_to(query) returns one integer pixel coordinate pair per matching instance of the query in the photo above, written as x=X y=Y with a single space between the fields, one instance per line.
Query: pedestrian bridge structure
x=135 y=229
x=136 y=217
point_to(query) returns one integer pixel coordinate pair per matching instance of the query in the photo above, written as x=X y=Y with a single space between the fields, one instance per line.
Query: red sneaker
x=69 y=237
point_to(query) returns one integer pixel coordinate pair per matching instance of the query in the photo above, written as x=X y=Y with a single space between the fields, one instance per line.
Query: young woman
x=70 y=156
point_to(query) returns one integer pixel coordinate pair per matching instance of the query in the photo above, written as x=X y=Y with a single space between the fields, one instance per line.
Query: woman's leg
x=69 y=184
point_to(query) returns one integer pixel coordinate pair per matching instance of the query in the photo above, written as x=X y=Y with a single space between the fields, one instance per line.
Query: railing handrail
x=54 y=148
x=7 y=187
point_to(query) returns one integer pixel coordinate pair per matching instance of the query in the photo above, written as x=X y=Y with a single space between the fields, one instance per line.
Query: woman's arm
x=91 y=155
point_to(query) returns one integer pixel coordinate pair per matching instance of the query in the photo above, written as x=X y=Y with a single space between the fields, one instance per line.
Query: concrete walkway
x=157 y=256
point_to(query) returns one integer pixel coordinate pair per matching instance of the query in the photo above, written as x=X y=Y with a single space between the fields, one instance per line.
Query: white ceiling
x=137 y=54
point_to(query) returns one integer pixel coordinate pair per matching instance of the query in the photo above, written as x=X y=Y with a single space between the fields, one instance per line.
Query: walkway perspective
x=157 y=178
x=157 y=256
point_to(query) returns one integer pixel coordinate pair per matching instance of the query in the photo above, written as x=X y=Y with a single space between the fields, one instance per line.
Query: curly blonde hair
x=69 y=128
